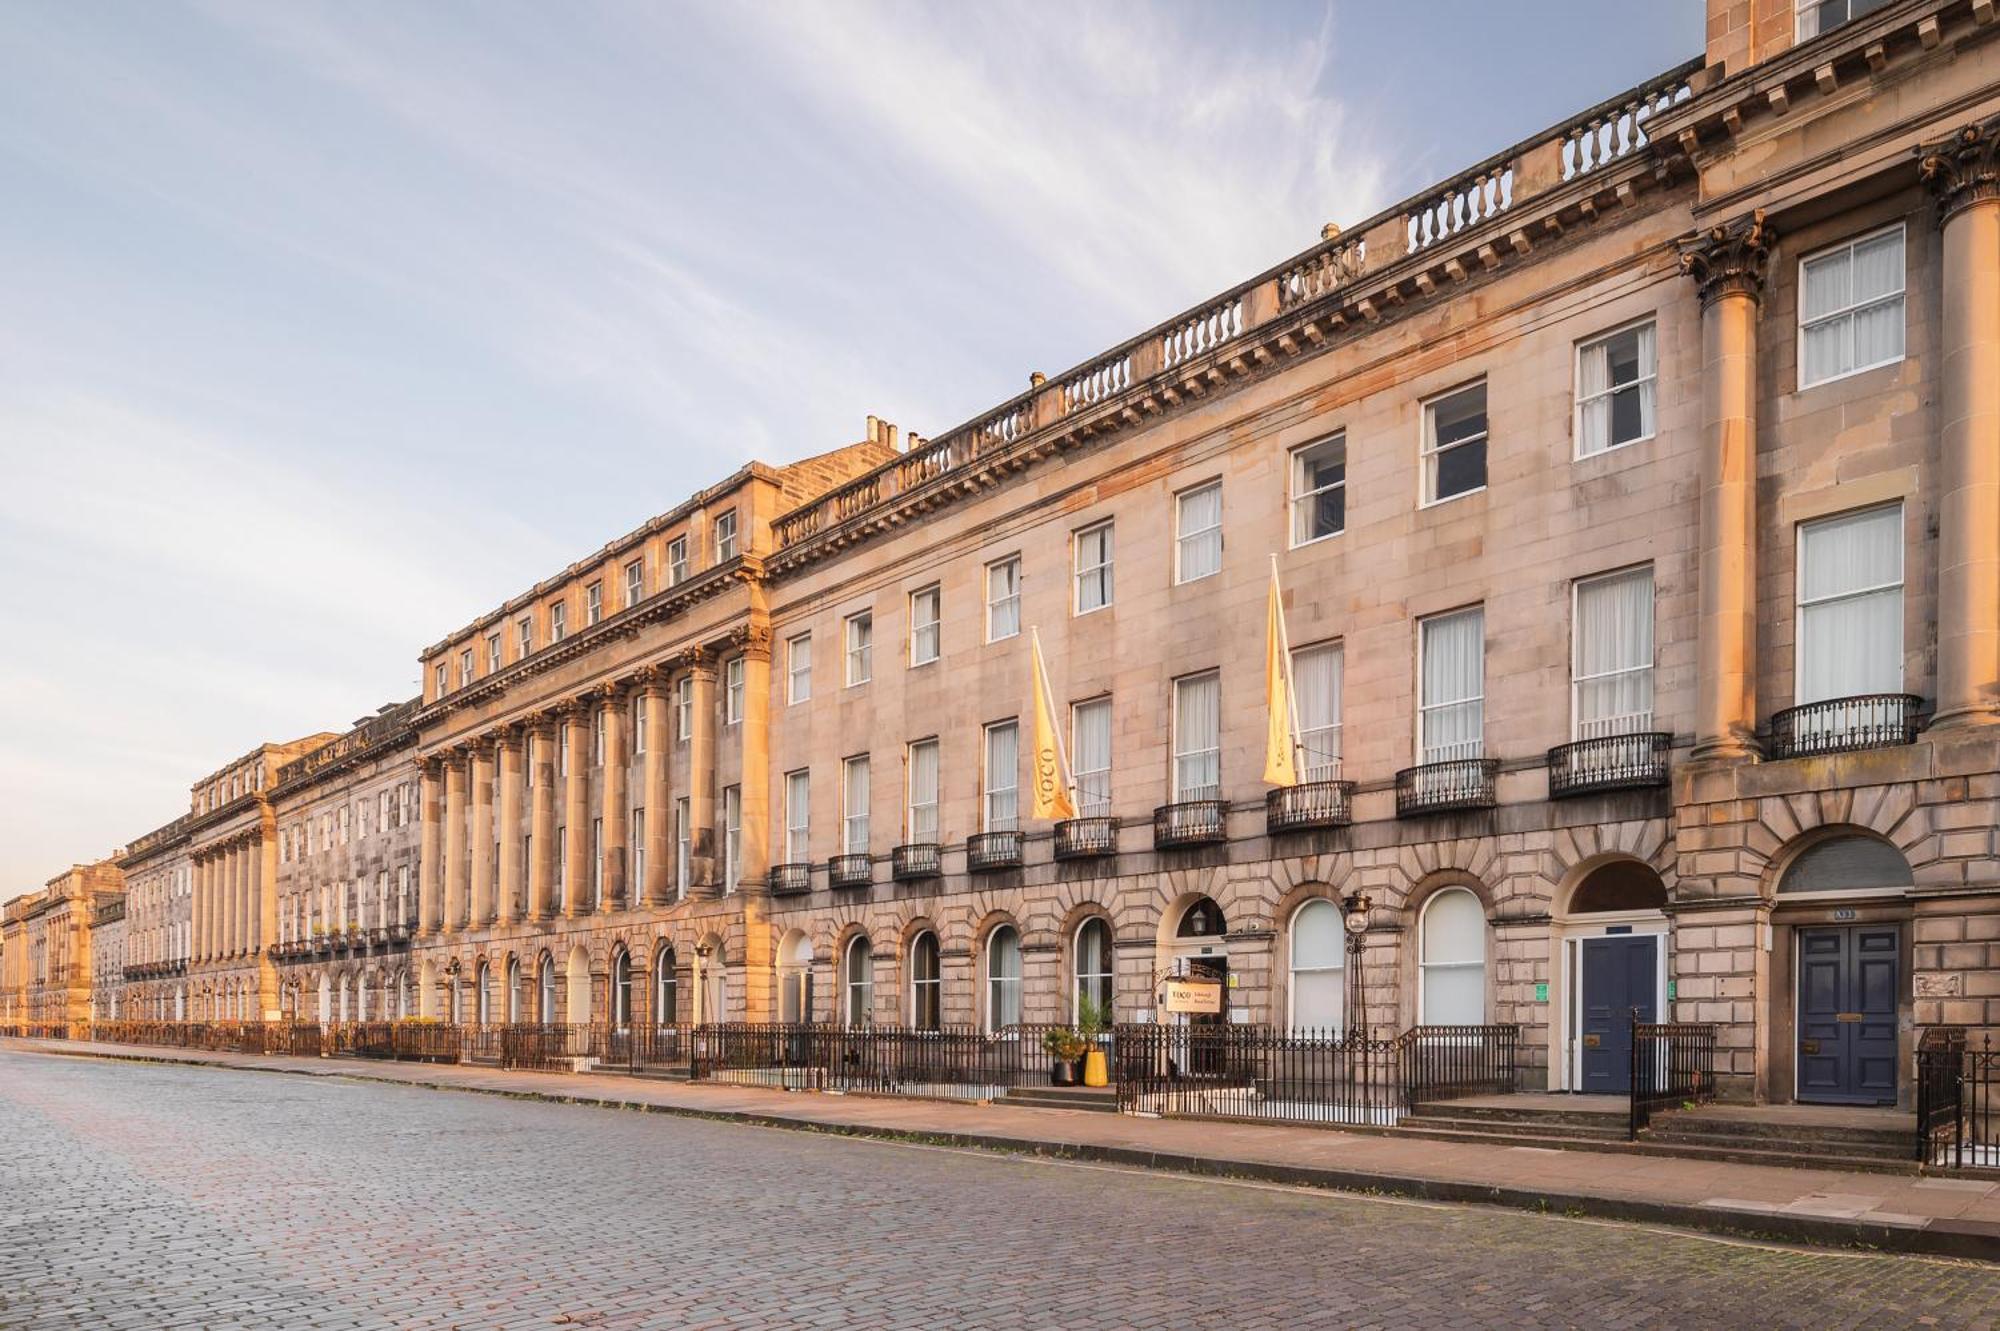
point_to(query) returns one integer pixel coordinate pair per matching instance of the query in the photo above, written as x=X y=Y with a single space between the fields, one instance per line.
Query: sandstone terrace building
x=1636 y=501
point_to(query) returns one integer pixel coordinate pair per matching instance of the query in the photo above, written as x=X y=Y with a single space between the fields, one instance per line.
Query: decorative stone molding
x=1729 y=259
x=1963 y=170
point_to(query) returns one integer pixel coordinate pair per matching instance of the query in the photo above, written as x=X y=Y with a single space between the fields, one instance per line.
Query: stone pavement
x=1950 y=1216
x=156 y=1196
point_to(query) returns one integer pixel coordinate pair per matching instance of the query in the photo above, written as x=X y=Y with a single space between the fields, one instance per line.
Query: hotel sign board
x=1194 y=998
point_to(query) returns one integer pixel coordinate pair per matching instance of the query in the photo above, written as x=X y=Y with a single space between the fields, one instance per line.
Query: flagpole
x=1062 y=749
x=1291 y=686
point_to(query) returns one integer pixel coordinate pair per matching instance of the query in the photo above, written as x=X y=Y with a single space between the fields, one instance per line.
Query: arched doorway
x=795 y=998
x=1840 y=939
x=858 y=981
x=325 y=999
x=577 y=992
x=621 y=989
x=666 y=987
x=1614 y=963
x=545 y=990
x=1199 y=949
x=427 y=995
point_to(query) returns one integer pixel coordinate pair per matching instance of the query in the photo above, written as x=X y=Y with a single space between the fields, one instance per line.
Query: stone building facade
x=107 y=961
x=45 y=945
x=158 y=924
x=1634 y=498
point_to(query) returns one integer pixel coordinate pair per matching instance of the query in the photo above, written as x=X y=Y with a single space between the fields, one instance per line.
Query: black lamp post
x=1355 y=907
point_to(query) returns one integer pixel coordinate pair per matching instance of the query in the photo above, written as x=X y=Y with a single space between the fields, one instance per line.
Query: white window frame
x=493 y=652
x=593 y=603
x=732 y=691
x=910 y=802
x=1900 y=586
x=1427 y=423
x=524 y=635
x=798 y=816
x=1803 y=8
x=1901 y=296
x=854 y=825
x=684 y=709
x=732 y=837
x=1085 y=807
x=1423 y=707
x=1338 y=728
x=1182 y=535
x=1577 y=681
x=677 y=561
x=1104 y=569
x=1425 y=965
x=798 y=674
x=1011 y=599
x=1580 y=401
x=1294 y=462
x=558 y=621
x=857 y=992
x=858 y=635
x=987 y=788
x=635 y=580
x=725 y=537
x=465 y=667
x=933 y=626
x=683 y=843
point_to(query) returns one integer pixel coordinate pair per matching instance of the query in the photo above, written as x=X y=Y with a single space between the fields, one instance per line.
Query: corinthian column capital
x=1964 y=169
x=1729 y=259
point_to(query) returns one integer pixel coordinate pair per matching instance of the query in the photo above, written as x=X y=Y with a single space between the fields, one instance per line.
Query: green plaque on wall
x=1542 y=992
x=1671 y=995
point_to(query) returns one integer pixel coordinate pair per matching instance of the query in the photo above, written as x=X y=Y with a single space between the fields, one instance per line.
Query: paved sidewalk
x=1955 y=1217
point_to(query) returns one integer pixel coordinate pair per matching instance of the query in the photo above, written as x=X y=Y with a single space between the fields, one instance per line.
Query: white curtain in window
x=1198 y=738
x=1003 y=767
x=1092 y=759
x=856 y=806
x=1200 y=532
x=1003 y=979
x=1454 y=681
x=923 y=791
x=1878 y=274
x=860 y=982
x=1316 y=679
x=1616 y=385
x=798 y=795
x=1613 y=654
x=1454 y=960
x=1851 y=605
x=1003 y=600
x=1319 y=952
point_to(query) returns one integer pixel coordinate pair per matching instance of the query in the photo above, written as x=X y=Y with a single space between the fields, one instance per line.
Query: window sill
x=1858 y=371
x=1094 y=610
x=1616 y=448
x=1449 y=499
x=1189 y=582
x=1319 y=540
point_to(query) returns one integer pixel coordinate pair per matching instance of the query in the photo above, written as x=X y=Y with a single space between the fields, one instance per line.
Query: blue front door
x=1849 y=978
x=1620 y=974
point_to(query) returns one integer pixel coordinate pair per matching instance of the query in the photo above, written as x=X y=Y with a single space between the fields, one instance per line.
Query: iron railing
x=915 y=861
x=1609 y=762
x=1452 y=1062
x=1459 y=783
x=1085 y=838
x=953 y=1062
x=1941 y=1058
x=1841 y=725
x=850 y=871
x=1190 y=823
x=1673 y=1066
x=986 y=851
x=1258 y=1072
x=1308 y=805
x=791 y=880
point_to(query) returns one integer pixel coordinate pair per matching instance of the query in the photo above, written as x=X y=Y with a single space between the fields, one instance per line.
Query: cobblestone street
x=136 y=1196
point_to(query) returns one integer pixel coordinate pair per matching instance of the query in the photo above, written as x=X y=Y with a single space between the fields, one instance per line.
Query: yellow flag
x=1280 y=764
x=1051 y=794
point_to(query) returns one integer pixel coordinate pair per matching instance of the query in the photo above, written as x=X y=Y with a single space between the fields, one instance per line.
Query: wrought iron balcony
x=986 y=851
x=1460 y=783
x=1609 y=762
x=1842 y=725
x=791 y=880
x=1086 y=838
x=850 y=871
x=1309 y=804
x=1189 y=823
x=915 y=862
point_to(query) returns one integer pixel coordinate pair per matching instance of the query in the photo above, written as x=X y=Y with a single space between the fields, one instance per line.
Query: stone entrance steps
x=1100 y=1099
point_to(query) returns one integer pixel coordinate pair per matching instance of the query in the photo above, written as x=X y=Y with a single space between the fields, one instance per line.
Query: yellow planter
x=1095 y=1071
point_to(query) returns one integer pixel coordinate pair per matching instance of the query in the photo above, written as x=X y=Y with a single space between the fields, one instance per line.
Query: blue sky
x=325 y=327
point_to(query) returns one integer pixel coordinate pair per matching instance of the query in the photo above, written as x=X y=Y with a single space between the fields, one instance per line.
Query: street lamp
x=1355 y=907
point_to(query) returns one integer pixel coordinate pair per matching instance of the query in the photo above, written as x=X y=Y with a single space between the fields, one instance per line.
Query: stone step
x=1614 y=1115
x=1890 y=1146
x=1511 y=1131
x=1549 y=1140
x=1098 y=1099
x=1751 y=1131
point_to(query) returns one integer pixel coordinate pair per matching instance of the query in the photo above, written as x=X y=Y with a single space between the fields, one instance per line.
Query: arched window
x=546 y=982
x=482 y=1003
x=361 y=998
x=402 y=994
x=621 y=989
x=1849 y=863
x=325 y=1000
x=513 y=990
x=1452 y=960
x=1202 y=920
x=860 y=980
x=576 y=997
x=1093 y=973
x=1319 y=967
x=795 y=978
x=666 y=987
x=1003 y=979
x=926 y=983
x=1619 y=885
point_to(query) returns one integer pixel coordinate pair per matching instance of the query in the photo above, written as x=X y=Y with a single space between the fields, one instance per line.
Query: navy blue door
x=1620 y=973
x=1849 y=978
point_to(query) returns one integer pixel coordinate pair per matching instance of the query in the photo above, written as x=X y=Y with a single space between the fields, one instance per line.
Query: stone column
x=232 y=895
x=510 y=825
x=659 y=804
x=617 y=859
x=576 y=810
x=267 y=919
x=1965 y=175
x=246 y=896
x=430 y=882
x=481 y=763
x=542 y=827
x=454 y=842
x=704 y=868
x=198 y=909
x=1727 y=263
x=753 y=737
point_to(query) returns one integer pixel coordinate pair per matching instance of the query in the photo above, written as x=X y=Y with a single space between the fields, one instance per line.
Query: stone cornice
x=1963 y=170
x=1730 y=259
x=379 y=736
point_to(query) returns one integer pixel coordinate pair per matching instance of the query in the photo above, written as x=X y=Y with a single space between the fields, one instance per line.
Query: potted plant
x=1065 y=1047
x=1093 y=1019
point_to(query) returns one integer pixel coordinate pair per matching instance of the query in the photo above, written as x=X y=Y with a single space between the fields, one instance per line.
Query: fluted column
x=576 y=811
x=542 y=825
x=703 y=870
x=198 y=910
x=1964 y=173
x=509 y=869
x=246 y=911
x=481 y=764
x=658 y=886
x=1727 y=263
x=232 y=899
x=455 y=866
x=430 y=878
x=617 y=802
